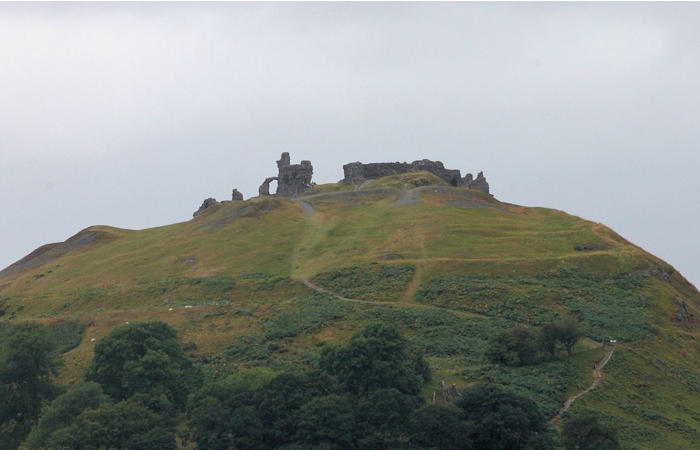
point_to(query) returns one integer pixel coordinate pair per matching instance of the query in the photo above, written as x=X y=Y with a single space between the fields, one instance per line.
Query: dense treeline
x=523 y=346
x=141 y=391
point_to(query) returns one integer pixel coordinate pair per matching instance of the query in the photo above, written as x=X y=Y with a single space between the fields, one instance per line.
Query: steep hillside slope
x=269 y=281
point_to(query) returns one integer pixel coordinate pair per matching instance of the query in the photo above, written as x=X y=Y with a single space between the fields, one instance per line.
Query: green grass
x=407 y=180
x=228 y=282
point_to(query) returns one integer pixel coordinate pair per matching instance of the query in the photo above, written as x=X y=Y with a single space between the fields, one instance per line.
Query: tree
x=382 y=418
x=516 y=347
x=224 y=415
x=586 y=433
x=326 y=422
x=143 y=358
x=279 y=401
x=27 y=367
x=502 y=420
x=439 y=427
x=127 y=425
x=242 y=413
x=63 y=410
x=377 y=357
x=569 y=333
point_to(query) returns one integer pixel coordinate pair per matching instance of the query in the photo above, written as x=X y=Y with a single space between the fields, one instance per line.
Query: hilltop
x=268 y=281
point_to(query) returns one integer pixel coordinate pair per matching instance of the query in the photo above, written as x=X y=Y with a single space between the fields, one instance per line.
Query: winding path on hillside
x=596 y=380
x=321 y=290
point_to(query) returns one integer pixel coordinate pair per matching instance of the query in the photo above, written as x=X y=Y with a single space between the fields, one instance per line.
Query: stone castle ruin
x=357 y=172
x=292 y=179
x=295 y=179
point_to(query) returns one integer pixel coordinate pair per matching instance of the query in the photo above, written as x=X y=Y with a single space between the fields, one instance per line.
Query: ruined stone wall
x=357 y=172
x=480 y=184
x=292 y=179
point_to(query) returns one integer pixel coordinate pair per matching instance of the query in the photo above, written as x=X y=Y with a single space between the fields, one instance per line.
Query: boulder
x=206 y=204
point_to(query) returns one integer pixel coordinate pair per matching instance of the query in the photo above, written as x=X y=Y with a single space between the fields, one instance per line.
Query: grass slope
x=451 y=267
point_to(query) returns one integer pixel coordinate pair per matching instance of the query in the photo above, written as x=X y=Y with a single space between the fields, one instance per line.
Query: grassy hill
x=449 y=266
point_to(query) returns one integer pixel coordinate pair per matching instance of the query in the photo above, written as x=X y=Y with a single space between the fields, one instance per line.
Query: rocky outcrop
x=684 y=317
x=357 y=172
x=206 y=204
x=236 y=195
x=292 y=179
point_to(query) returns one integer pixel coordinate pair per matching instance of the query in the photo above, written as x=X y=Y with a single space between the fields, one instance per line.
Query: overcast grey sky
x=131 y=114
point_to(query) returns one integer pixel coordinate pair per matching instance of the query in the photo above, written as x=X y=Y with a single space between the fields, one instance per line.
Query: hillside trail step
x=321 y=290
x=597 y=376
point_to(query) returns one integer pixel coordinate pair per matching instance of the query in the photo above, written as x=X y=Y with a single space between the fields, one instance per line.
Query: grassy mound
x=406 y=180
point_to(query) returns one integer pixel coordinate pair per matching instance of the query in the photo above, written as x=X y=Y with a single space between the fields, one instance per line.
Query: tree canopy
x=63 y=410
x=143 y=358
x=502 y=420
x=378 y=357
x=126 y=425
x=27 y=366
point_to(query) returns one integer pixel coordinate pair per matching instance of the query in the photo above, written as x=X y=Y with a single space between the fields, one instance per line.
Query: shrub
x=517 y=347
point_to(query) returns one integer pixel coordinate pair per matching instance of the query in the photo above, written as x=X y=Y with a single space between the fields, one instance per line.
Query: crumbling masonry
x=292 y=179
x=357 y=172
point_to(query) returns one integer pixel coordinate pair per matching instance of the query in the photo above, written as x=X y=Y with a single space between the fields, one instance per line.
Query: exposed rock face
x=358 y=172
x=292 y=179
x=684 y=316
x=208 y=203
x=236 y=195
x=264 y=188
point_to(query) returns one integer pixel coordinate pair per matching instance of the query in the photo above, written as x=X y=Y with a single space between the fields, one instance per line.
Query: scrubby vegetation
x=379 y=282
x=610 y=306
